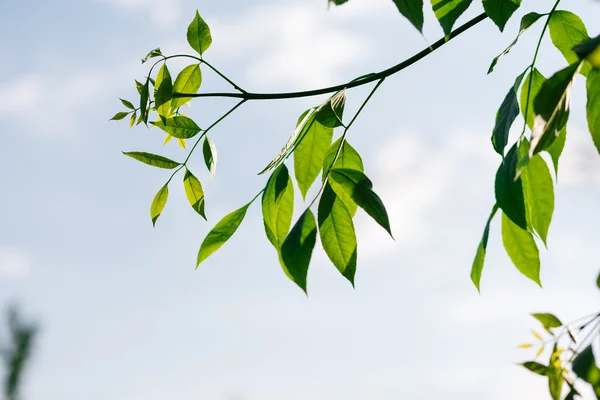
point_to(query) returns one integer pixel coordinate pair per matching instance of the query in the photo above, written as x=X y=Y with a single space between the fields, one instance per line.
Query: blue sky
x=123 y=313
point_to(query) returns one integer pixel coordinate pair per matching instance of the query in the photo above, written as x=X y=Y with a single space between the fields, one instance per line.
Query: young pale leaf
x=164 y=92
x=500 y=11
x=158 y=204
x=509 y=191
x=304 y=123
x=330 y=113
x=521 y=248
x=188 y=81
x=536 y=80
x=526 y=22
x=352 y=186
x=138 y=86
x=566 y=31
x=194 y=192
x=198 y=35
x=593 y=105
x=119 y=116
x=552 y=107
x=297 y=248
x=506 y=115
x=132 y=119
x=145 y=101
x=448 y=11
x=348 y=158
x=413 y=11
x=337 y=233
x=209 y=151
x=278 y=206
x=153 y=159
x=310 y=153
x=221 y=233
x=479 y=261
x=548 y=321
x=536 y=367
x=153 y=53
x=127 y=104
x=178 y=126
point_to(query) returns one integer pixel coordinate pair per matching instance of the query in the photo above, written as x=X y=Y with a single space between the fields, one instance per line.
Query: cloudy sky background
x=123 y=314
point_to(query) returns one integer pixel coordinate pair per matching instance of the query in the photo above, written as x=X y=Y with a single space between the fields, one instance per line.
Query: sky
x=124 y=315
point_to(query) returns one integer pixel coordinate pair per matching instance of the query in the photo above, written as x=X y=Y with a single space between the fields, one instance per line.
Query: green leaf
x=209 y=150
x=153 y=53
x=552 y=106
x=337 y=233
x=526 y=22
x=188 y=81
x=153 y=159
x=221 y=233
x=585 y=367
x=593 y=105
x=278 y=206
x=179 y=126
x=297 y=248
x=158 y=204
x=198 y=35
x=310 y=153
x=500 y=11
x=145 y=101
x=548 y=321
x=127 y=104
x=566 y=31
x=354 y=186
x=586 y=48
x=448 y=11
x=536 y=80
x=413 y=11
x=598 y=281
x=138 y=86
x=194 y=192
x=479 y=261
x=505 y=117
x=348 y=158
x=304 y=123
x=555 y=149
x=119 y=116
x=164 y=92
x=132 y=120
x=509 y=191
x=330 y=113
x=536 y=368
x=521 y=248
x=555 y=383
x=337 y=2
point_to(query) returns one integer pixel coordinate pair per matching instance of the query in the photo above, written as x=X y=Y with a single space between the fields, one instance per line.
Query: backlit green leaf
x=164 y=92
x=337 y=233
x=566 y=31
x=132 y=119
x=178 y=126
x=198 y=35
x=593 y=105
x=153 y=53
x=188 y=81
x=536 y=367
x=509 y=192
x=548 y=321
x=309 y=155
x=194 y=192
x=413 y=11
x=506 y=115
x=297 y=248
x=479 y=261
x=127 y=104
x=158 y=204
x=585 y=367
x=278 y=206
x=556 y=148
x=330 y=113
x=536 y=80
x=153 y=159
x=521 y=248
x=500 y=11
x=351 y=185
x=209 y=151
x=448 y=11
x=119 y=116
x=348 y=158
x=221 y=233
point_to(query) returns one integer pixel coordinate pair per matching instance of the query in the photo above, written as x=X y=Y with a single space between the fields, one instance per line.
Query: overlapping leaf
x=309 y=154
x=278 y=206
x=506 y=115
x=178 y=126
x=566 y=31
x=413 y=11
x=297 y=248
x=521 y=248
x=500 y=11
x=194 y=192
x=188 y=81
x=448 y=11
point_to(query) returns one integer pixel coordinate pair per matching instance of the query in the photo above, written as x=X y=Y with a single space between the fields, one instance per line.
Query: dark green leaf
x=586 y=48
x=593 y=105
x=585 y=367
x=500 y=11
x=448 y=11
x=145 y=101
x=598 y=281
x=413 y=11
x=567 y=30
x=278 y=206
x=509 y=191
x=153 y=159
x=536 y=80
x=209 y=150
x=521 y=248
x=164 y=92
x=526 y=22
x=337 y=2
x=548 y=321
x=158 y=204
x=153 y=53
x=310 y=153
x=119 y=116
x=188 y=81
x=479 y=261
x=297 y=248
x=555 y=149
x=536 y=367
x=198 y=35
x=194 y=192
x=337 y=233
x=330 y=113
x=506 y=115
x=351 y=185
x=179 y=126
x=127 y=104
x=221 y=233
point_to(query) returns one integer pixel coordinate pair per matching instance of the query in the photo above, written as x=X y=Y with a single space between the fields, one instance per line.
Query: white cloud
x=163 y=14
x=579 y=164
x=14 y=263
